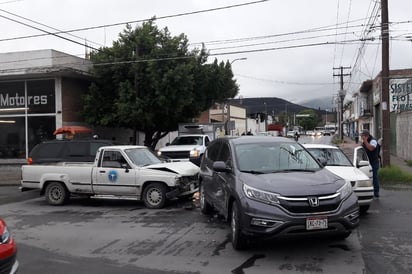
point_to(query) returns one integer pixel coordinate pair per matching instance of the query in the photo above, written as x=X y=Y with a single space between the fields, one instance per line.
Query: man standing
x=371 y=147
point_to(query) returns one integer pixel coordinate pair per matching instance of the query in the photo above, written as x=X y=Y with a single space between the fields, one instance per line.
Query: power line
x=44 y=25
x=47 y=32
x=277 y=42
x=139 y=20
x=246 y=39
x=210 y=54
x=283 y=82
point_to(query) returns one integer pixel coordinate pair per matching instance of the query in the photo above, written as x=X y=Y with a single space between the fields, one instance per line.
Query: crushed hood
x=183 y=168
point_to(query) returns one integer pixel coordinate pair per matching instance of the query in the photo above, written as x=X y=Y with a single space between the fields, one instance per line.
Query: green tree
x=150 y=81
x=310 y=122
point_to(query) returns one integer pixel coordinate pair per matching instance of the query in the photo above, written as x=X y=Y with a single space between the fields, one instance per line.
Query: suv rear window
x=66 y=151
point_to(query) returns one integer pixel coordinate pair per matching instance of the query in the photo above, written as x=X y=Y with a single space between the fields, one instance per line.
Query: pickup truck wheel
x=154 y=195
x=56 y=193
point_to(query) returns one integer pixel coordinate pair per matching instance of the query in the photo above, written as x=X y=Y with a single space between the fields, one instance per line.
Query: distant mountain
x=322 y=103
x=269 y=105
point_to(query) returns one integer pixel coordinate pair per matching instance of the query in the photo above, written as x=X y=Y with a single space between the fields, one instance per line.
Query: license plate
x=320 y=222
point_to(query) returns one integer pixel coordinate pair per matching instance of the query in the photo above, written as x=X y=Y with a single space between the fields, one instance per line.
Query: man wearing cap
x=371 y=147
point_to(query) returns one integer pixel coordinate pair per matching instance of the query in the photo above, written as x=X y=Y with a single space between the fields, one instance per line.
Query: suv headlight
x=345 y=190
x=159 y=153
x=5 y=237
x=260 y=195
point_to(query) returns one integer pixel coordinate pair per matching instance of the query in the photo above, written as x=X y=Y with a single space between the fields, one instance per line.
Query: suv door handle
x=102 y=171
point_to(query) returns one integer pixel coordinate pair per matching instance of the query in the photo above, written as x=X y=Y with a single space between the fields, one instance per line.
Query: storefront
x=34 y=104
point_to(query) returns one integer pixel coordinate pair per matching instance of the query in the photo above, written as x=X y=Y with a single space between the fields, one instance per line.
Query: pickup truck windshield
x=187 y=140
x=142 y=156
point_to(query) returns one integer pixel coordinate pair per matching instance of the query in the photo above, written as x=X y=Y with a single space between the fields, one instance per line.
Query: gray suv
x=272 y=187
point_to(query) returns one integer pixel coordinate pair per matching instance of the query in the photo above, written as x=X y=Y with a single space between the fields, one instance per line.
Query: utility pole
x=386 y=134
x=342 y=94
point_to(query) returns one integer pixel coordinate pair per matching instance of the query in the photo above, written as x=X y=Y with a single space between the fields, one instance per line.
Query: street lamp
x=238 y=59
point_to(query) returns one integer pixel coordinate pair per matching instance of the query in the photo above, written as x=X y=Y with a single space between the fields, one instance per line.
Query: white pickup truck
x=118 y=171
x=188 y=147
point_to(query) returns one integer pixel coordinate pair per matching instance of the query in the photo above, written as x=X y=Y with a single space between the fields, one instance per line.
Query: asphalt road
x=114 y=236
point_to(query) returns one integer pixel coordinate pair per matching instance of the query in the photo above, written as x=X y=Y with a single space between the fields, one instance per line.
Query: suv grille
x=176 y=154
x=301 y=204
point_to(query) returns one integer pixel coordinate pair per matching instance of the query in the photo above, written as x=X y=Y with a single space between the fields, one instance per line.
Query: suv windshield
x=274 y=157
x=142 y=156
x=187 y=140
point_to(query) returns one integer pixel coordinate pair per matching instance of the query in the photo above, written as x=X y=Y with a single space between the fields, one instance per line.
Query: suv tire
x=239 y=241
x=205 y=207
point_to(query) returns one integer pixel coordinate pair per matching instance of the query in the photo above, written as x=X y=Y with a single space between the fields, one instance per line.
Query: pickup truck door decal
x=113 y=175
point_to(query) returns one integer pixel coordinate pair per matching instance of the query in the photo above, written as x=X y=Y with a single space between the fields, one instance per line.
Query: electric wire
x=140 y=20
x=47 y=26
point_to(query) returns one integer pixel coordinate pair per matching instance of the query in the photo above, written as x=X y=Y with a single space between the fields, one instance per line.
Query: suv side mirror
x=220 y=166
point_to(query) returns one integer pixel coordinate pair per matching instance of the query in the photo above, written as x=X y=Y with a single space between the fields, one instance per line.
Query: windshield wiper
x=296 y=169
x=253 y=171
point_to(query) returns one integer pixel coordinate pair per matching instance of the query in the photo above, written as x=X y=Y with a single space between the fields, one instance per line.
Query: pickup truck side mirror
x=125 y=166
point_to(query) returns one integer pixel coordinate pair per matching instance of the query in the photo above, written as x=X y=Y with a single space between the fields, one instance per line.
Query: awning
x=72 y=130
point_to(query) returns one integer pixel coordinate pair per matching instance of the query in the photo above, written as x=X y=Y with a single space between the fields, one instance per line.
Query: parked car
x=272 y=187
x=8 y=251
x=76 y=150
x=337 y=162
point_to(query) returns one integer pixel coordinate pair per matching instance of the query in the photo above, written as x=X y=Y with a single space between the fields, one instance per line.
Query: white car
x=359 y=174
x=290 y=133
x=310 y=133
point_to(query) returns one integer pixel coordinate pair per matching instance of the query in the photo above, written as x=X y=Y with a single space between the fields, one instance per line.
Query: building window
x=27 y=108
x=41 y=96
x=12 y=144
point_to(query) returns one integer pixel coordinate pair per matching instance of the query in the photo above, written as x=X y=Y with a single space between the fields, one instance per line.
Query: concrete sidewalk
x=349 y=144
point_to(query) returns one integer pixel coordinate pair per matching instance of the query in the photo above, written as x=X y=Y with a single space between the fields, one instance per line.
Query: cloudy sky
x=287 y=49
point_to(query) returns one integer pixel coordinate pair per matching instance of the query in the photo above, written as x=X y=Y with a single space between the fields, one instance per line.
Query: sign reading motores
x=37 y=95
x=17 y=101
x=400 y=94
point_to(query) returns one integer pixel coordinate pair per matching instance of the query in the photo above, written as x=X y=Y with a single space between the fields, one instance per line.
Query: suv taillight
x=29 y=160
